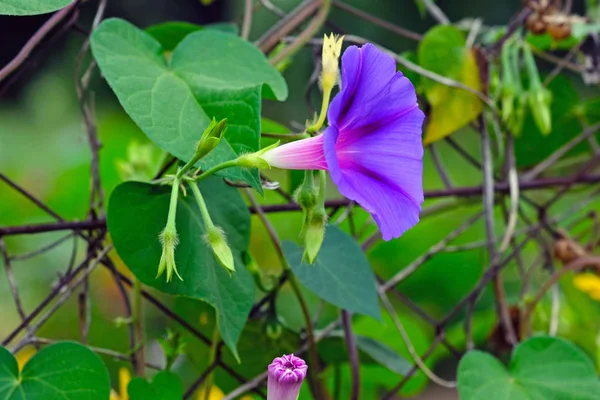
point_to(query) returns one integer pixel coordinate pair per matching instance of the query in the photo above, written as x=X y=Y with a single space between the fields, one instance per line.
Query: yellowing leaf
x=24 y=355
x=443 y=51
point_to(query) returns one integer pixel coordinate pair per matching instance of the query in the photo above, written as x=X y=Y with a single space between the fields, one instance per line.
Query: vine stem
x=306 y=35
x=575 y=265
x=320 y=392
x=211 y=360
x=352 y=354
x=137 y=317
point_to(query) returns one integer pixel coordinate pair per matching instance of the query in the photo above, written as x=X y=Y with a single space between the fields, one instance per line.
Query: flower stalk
x=168 y=237
x=332 y=47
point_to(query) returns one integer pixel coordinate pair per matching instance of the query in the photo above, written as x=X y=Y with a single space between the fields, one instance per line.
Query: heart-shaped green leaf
x=62 y=371
x=165 y=386
x=137 y=213
x=31 y=7
x=209 y=74
x=341 y=275
x=541 y=368
x=170 y=33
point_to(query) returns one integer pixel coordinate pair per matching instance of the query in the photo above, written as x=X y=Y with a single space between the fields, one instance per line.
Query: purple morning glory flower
x=286 y=374
x=372 y=147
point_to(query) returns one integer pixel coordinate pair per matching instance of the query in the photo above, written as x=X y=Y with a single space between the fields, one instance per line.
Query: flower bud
x=286 y=374
x=539 y=103
x=539 y=97
x=256 y=160
x=169 y=240
x=332 y=48
x=314 y=232
x=307 y=194
x=272 y=327
x=216 y=240
x=210 y=138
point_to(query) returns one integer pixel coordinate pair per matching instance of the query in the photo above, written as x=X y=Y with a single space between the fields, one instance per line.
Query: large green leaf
x=443 y=50
x=209 y=74
x=165 y=386
x=31 y=7
x=541 y=368
x=62 y=371
x=169 y=34
x=341 y=274
x=137 y=213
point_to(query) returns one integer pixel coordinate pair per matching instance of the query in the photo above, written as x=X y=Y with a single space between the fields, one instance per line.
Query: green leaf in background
x=568 y=111
x=169 y=34
x=165 y=386
x=341 y=274
x=209 y=74
x=542 y=367
x=137 y=213
x=31 y=7
x=443 y=50
x=62 y=371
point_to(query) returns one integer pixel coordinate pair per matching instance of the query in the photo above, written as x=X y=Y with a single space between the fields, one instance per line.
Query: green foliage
x=569 y=111
x=546 y=368
x=174 y=100
x=169 y=34
x=31 y=7
x=62 y=371
x=374 y=350
x=164 y=386
x=443 y=51
x=341 y=274
x=136 y=215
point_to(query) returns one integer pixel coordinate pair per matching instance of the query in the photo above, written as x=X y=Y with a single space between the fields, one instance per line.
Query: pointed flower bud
x=306 y=195
x=216 y=240
x=256 y=160
x=210 y=138
x=539 y=103
x=169 y=240
x=539 y=97
x=332 y=48
x=314 y=232
x=286 y=374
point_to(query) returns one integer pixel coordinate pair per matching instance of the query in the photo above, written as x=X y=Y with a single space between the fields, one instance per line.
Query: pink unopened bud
x=286 y=374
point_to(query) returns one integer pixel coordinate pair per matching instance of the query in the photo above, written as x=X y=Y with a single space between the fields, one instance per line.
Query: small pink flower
x=286 y=374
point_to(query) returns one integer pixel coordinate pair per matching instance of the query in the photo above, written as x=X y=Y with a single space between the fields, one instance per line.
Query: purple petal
x=286 y=375
x=365 y=72
x=393 y=153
